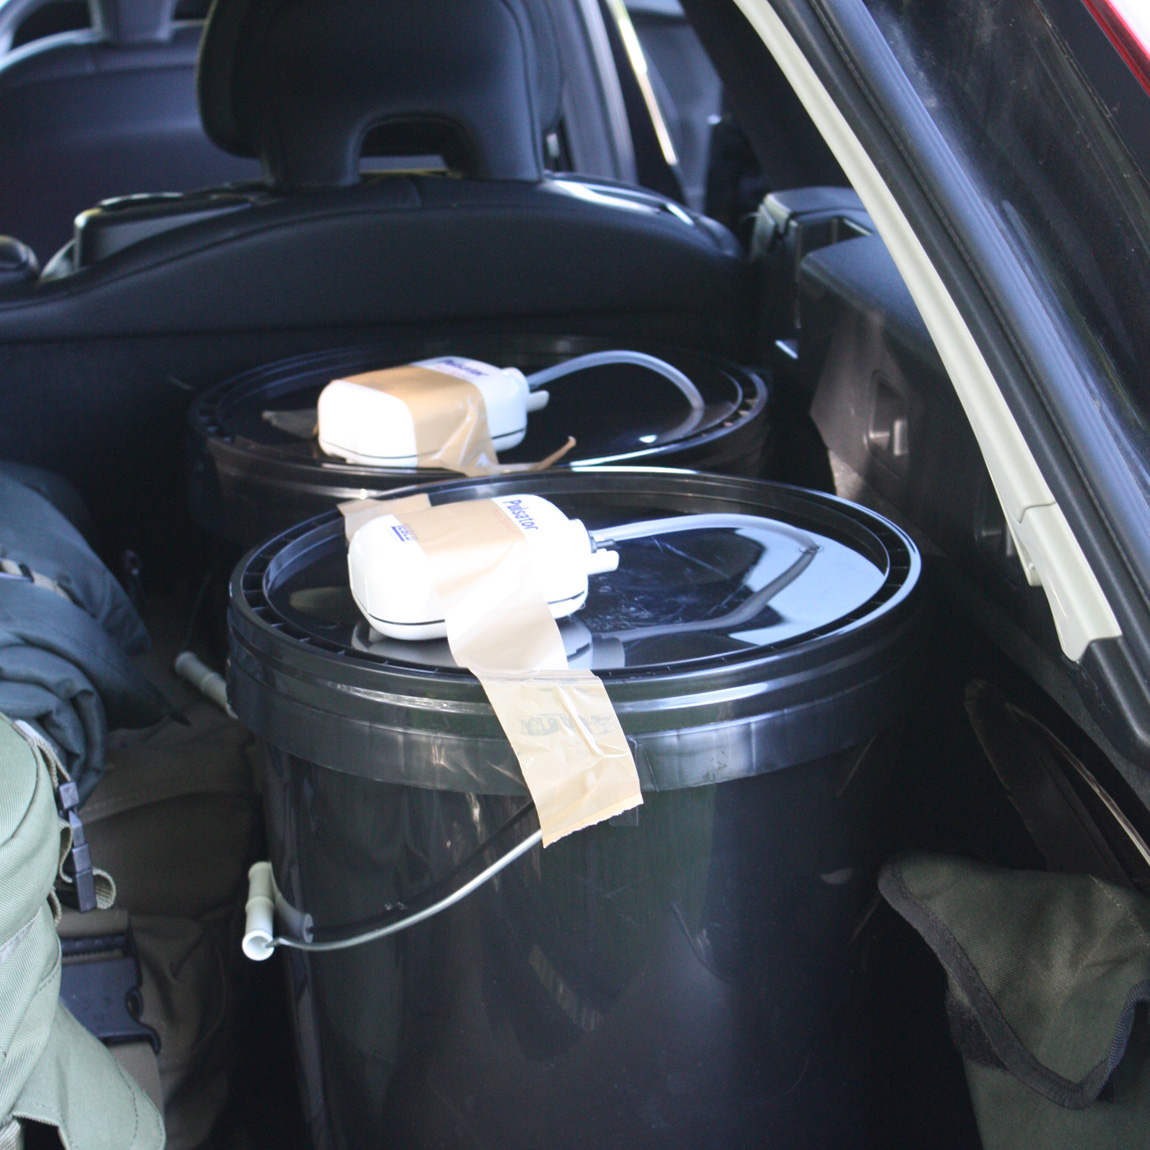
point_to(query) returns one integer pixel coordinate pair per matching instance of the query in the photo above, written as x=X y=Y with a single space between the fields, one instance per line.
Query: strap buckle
x=78 y=864
x=100 y=985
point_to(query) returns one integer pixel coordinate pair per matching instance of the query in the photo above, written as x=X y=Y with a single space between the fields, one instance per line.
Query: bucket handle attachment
x=265 y=903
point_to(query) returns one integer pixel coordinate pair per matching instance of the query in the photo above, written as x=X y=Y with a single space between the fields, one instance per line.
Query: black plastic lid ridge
x=700 y=705
x=248 y=477
x=232 y=412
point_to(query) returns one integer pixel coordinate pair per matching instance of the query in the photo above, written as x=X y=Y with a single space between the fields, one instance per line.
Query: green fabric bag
x=1048 y=974
x=51 y=1069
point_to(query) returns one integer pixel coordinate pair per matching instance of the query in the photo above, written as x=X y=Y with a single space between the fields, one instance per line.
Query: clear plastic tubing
x=420 y=916
x=609 y=536
x=750 y=609
x=638 y=359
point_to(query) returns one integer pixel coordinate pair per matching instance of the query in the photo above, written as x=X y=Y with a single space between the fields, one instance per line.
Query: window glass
x=1040 y=128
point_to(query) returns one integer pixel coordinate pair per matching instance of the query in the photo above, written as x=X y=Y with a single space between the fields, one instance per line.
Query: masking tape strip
x=560 y=723
x=449 y=417
x=569 y=744
x=541 y=465
x=448 y=414
x=357 y=512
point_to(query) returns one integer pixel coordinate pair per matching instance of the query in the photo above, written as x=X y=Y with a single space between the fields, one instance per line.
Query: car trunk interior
x=865 y=411
x=862 y=374
x=860 y=407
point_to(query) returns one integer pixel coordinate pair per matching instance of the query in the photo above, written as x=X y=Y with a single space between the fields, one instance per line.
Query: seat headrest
x=135 y=21
x=301 y=83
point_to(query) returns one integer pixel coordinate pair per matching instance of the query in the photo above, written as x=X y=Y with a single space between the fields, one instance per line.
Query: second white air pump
x=364 y=424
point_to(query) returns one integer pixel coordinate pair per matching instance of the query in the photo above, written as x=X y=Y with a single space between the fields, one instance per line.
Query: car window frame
x=1043 y=379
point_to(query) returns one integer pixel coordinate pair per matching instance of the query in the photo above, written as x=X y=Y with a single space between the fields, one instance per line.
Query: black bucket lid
x=619 y=414
x=725 y=652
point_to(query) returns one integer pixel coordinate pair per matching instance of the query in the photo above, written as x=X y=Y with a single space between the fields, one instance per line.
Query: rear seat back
x=224 y=283
x=106 y=111
x=302 y=84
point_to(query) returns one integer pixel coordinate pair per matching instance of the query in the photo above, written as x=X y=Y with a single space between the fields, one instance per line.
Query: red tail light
x=1128 y=29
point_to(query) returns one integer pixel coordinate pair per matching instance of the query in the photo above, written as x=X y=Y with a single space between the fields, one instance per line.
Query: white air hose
x=208 y=682
x=608 y=536
x=263 y=897
x=754 y=603
x=638 y=359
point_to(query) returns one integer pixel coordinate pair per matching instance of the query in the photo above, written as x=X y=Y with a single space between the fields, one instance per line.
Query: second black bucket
x=250 y=478
x=683 y=976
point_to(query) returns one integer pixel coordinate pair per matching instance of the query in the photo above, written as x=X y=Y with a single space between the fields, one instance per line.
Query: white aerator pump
x=364 y=424
x=391 y=579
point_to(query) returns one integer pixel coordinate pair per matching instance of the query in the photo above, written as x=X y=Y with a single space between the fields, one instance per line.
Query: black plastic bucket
x=249 y=479
x=682 y=976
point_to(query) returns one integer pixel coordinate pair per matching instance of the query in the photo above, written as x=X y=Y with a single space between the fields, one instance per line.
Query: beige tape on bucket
x=357 y=512
x=448 y=413
x=449 y=416
x=560 y=722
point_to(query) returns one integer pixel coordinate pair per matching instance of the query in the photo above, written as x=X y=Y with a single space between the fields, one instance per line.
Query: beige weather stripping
x=638 y=60
x=1051 y=556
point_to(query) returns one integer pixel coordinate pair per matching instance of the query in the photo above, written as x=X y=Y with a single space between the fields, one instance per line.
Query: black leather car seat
x=305 y=85
x=300 y=84
x=106 y=111
x=99 y=362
